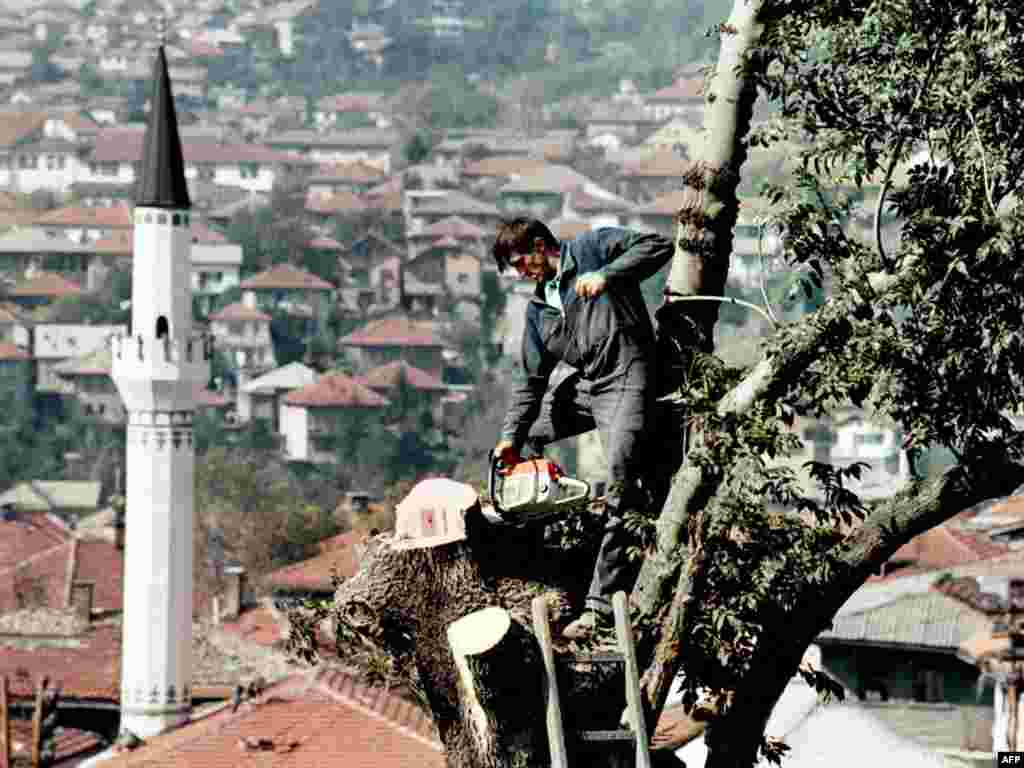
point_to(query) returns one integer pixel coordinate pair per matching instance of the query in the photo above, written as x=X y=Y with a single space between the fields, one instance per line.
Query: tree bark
x=439 y=612
x=500 y=684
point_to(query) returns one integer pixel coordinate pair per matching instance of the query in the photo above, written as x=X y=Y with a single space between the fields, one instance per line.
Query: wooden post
x=37 y=724
x=553 y=706
x=634 y=701
x=5 y=725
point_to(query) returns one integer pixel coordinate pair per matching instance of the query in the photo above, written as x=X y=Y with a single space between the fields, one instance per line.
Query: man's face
x=535 y=265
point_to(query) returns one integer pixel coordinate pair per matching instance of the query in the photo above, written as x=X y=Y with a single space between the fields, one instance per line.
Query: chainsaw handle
x=495 y=461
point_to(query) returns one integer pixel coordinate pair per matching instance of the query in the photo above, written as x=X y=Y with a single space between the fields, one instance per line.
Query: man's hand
x=591 y=285
x=505 y=452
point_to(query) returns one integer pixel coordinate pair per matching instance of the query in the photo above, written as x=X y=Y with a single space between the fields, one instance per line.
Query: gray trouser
x=620 y=407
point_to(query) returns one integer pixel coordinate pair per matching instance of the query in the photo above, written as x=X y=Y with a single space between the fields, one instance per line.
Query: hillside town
x=341 y=271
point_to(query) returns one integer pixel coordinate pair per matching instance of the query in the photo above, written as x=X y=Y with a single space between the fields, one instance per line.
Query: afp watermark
x=1010 y=758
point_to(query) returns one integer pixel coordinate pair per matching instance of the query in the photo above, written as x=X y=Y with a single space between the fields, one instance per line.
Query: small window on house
x=162 y=328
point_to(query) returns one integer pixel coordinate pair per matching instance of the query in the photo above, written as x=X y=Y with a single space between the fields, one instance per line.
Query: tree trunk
x=454 y=617
x=500 y=685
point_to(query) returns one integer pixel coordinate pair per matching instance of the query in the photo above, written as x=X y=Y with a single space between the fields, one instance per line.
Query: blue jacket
x=597 y=336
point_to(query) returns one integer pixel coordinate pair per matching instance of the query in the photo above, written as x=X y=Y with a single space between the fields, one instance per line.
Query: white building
x=157 y=370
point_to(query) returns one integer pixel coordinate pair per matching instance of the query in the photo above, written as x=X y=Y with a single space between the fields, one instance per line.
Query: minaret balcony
x=158 y=374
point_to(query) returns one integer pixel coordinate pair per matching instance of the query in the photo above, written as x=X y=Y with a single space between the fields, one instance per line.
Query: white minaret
x=157 y=368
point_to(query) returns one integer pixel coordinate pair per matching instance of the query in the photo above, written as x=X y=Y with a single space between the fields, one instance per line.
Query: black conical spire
x=162 y=176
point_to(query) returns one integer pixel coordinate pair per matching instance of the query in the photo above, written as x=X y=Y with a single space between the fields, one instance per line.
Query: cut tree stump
x=499 y=674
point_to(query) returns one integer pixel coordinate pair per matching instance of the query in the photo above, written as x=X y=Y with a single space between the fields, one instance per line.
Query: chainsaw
x=530 y=491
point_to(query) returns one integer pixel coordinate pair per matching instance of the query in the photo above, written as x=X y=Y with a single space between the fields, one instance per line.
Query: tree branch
x=922 y=506
x=984 y=162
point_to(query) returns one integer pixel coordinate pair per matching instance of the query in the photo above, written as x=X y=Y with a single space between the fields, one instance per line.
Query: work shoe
x=588 y=624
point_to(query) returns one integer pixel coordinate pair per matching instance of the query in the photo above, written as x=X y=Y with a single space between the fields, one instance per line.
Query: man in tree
x=587 y=312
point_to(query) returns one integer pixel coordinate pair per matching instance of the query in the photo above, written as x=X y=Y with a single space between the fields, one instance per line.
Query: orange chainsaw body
x=533 y=490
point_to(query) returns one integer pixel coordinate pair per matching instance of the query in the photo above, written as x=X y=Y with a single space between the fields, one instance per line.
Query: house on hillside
x=471 y=237
x=251 y=167
x=262 y=397
x=655 y=174
x=385 y=340
x=303 y=296
x=88 y=380
x=312 y=579
x=42 y=288
x=216 y=266
x=613 y=126
x=560 y=191
x=356 y=177
x=683 y=98
x=367 y=108
x=423 y=207
x=44 y=150
x=68 y=500
x=54 y=343
x=373 y=146
x=399 y=380
x=242 y=334
x=310 y=416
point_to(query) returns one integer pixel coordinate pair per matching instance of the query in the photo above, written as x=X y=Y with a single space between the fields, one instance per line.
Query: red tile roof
x=664 y=205
x=66 y=743
x=207 y=398
x=452 y=226
x=293 y=725
x=89 y=669
x=394 y=332
x=239 y=311
x=102 y=563
x=19 y=125
x=257 y=625
x=115 y=217
x=9 y=351
x=120 y=145
x=503 y=166
x=356 y=172
x=203 y=234
x=96 y=560
x=46 y=284
x=341 y=201
x=945 y=546
x=314 y=574
x=120 y=243
x=683 y=89
x=387 y=377
x=335 y=390
x=351 y=102
x=286 y=276
x=583 y=201
x=30 y=534
x=663 y=164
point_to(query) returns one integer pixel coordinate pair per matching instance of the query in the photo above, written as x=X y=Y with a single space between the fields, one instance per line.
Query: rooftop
x=285 y=276
x=389 y=375
x=335 y=390
x=397 y=331
x=325 y=720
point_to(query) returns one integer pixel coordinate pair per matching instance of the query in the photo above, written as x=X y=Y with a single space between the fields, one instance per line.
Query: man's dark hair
x=517 y=236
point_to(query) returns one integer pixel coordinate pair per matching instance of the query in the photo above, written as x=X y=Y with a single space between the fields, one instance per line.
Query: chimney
x=70 y=573
x=234 y=593
x=82 y=598
x=119 y=525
